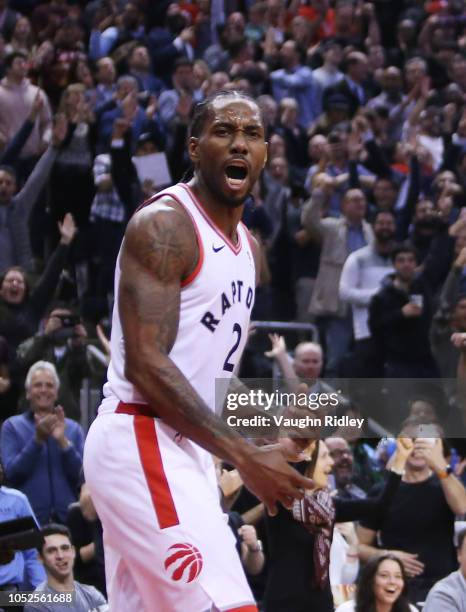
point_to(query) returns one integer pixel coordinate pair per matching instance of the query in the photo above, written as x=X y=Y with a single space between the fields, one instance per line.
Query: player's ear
x=193 y=149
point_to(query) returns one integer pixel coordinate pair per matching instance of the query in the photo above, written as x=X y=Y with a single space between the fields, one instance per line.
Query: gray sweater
x=15 y=244
x=448 y=595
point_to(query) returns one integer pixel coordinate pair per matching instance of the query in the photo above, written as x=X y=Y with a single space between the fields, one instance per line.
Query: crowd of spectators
x=361 y=221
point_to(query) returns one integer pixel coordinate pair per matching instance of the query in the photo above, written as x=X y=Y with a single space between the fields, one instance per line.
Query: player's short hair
x=45 y=366
x=202 y=110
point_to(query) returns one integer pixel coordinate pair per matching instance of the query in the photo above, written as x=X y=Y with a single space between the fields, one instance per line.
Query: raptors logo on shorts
x=184 y=562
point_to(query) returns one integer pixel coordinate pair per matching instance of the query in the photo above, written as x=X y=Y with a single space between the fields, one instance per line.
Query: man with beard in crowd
x=342 y=470
x=360 y=280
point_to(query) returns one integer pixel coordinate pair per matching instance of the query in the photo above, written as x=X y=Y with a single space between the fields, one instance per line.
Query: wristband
x=445 y=473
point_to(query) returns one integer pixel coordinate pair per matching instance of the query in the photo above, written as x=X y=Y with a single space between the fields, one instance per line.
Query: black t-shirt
x=420 y=521
x=291 y=552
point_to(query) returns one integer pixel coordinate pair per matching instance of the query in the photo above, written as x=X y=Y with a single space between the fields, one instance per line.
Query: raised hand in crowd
x=59 y=130
x=67 y=229
x=184 y=107
x=152 y=107
x=37 y=106
x=129 y=106
x=104 y=341
x=411 y=310
x=278 y=346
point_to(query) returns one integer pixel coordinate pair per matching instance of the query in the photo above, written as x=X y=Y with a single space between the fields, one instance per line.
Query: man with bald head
x=308 y=360
x=392 y=90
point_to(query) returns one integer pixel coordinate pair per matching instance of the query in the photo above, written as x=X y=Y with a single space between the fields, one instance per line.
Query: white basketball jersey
x=216 y=304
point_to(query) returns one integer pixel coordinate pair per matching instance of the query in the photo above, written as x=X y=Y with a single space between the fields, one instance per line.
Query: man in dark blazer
x=353 y=86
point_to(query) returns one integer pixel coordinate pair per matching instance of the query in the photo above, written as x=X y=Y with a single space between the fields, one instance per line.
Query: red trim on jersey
x=250 y=608
x=236 y=248
x=151 y=461
x=189 y=279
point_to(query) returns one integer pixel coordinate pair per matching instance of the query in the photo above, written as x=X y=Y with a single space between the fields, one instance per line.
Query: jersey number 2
x=227 y=365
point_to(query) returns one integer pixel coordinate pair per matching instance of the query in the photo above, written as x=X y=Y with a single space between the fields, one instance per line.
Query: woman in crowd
x=21 y=309
x=300 y=540
x=74 y=162
x=381 y=588
x=22 y=38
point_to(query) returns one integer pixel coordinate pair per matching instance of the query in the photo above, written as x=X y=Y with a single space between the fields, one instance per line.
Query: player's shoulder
x=158 y=216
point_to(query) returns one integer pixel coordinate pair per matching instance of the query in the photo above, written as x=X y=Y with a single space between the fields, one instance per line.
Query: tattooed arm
x=160 y=250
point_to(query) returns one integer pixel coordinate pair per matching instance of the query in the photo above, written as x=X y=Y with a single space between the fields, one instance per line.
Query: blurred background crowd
x=360 y=213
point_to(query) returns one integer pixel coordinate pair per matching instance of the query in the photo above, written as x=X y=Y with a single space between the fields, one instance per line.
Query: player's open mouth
x=236 y=175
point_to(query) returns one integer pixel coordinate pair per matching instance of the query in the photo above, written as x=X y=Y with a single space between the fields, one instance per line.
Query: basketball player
x=185 y=282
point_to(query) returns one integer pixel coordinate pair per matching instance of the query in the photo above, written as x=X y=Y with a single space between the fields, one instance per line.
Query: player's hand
x=268 y=475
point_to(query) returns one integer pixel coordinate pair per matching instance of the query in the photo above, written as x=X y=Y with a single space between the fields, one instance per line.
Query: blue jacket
x=46 y=474
x=25 y=570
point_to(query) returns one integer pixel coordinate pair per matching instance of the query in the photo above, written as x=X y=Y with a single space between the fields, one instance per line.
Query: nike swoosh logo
x=217 y=249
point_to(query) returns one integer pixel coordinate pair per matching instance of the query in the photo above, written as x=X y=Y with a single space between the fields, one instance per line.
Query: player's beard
x=219 y=194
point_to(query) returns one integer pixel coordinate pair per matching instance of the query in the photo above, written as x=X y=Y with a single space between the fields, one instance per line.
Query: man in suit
x=353 y=85
x=338 y=238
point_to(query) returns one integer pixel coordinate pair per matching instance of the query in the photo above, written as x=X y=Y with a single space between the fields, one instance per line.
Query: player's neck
x=226 y=218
